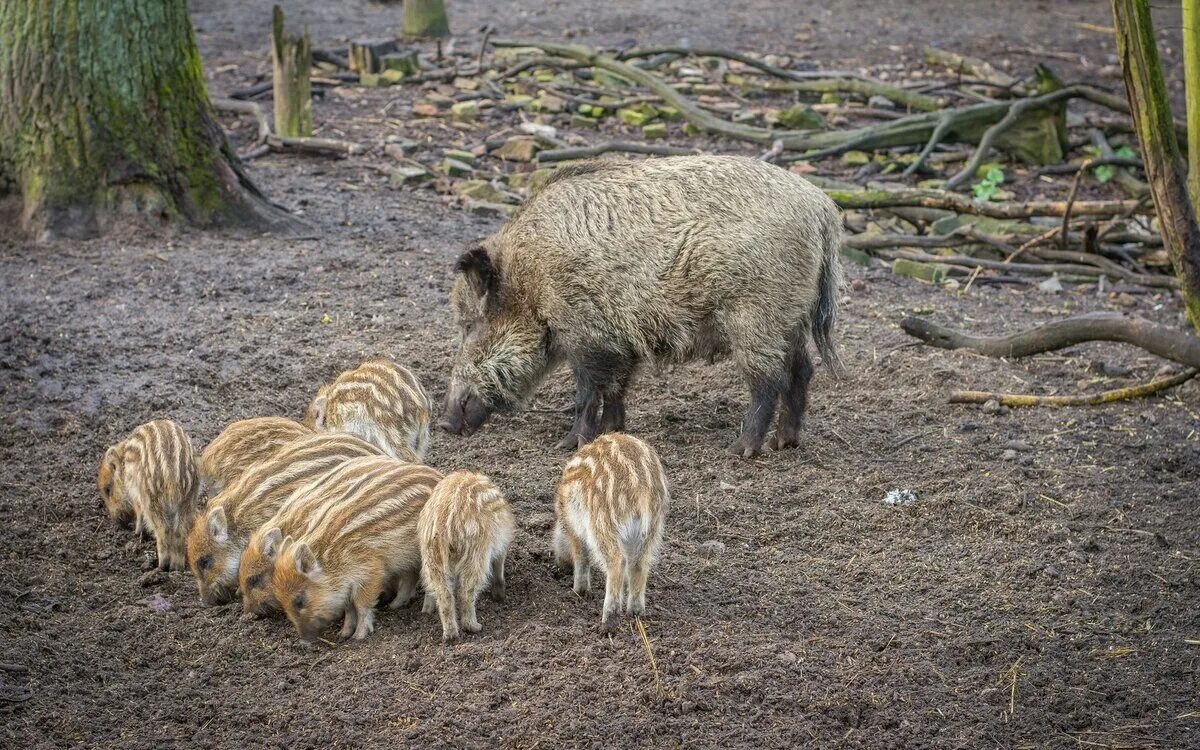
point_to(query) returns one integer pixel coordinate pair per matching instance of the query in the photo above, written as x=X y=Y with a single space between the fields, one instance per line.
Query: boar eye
x=107 y=489
x=204 y=563
x=254 y=581
x=298 y=602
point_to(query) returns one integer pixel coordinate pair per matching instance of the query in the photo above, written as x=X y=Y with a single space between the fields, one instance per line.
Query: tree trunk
x=1152 y=120
x=291 y=64
x=104 y=113
x=425 y=19
x=1191 y=79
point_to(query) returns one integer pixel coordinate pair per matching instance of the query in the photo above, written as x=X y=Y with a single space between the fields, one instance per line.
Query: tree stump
x=291 y=59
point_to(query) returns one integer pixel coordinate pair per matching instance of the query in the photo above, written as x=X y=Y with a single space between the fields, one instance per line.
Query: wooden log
x=365 y=55
x=878 y=198
x=291 y=64
x=588 y=152
x=972 y=66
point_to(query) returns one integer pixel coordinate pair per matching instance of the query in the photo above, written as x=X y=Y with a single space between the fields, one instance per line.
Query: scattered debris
x=903 y=498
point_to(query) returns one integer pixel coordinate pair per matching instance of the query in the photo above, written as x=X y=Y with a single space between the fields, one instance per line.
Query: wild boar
x=348 y=552
x=218 y=536
x=614 y=263
x=611 y=507
x=243 y=444
x=381 y=402
x=151 y=476
x=465 y=530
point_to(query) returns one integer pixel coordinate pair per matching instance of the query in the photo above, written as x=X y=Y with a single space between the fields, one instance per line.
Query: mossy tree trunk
x=1152 y=120
x=425 y=19
x=291 y=63
x=104 y=114
x=1191 y=78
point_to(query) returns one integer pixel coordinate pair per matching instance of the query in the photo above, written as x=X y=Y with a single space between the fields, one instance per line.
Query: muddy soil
x=1041 y=591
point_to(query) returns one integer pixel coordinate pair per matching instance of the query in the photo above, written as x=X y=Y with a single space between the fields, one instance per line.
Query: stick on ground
x=1095 y=399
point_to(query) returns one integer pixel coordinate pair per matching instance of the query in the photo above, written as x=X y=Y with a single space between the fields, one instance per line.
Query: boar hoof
x=569 y=443
x=608 y=625
x=744 y=448
x=783 y=442
x=450 y=637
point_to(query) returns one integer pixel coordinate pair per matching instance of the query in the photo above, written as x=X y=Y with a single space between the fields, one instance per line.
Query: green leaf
x=994 y=176
x=1103 y=173
x=984 y=190
x=1092 y=150
x=1125 y=152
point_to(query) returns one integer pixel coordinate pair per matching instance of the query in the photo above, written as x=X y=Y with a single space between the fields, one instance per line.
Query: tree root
x=587 y=152
x=1061 y=334
x=1095 y=399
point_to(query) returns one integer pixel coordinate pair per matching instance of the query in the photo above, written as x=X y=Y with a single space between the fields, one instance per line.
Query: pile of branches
x=917 y=162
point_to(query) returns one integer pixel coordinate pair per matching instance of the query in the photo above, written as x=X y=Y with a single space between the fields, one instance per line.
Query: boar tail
x=824 y=310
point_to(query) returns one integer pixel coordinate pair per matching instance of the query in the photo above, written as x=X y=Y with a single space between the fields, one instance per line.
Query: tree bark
x=104 y=114
x=1152 y=120
x=1191 y=77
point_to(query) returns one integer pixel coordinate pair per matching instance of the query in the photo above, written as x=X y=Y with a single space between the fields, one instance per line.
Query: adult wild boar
x=616 y=262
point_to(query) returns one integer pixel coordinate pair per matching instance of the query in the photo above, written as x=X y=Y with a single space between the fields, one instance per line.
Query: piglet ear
x=315 y=418
x=477 y=267
x=306 y=561
x=218 y=525
x=271 y=542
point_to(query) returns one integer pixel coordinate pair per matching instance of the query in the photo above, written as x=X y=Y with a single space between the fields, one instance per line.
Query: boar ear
x=477 y=267
x=306 y=561
x=218 y=525
x=271 y=542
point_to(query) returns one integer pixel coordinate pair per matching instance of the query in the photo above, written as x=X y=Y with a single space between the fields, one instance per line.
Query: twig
x=659 y=692
x=1015 y=111
x=1095 y=399
x=246 y=108
x=1073 y=167
x=793 y=75
x=880 y=198
x=587 y=152
x=1064 y=230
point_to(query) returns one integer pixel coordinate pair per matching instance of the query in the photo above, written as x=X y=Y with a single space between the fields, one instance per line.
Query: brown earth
x=1041 y=592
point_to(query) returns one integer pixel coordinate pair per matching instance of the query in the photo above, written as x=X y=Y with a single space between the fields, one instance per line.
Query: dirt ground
x=1042 y=591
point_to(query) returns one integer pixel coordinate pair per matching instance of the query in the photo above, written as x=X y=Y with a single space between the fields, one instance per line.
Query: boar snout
x=465 y=412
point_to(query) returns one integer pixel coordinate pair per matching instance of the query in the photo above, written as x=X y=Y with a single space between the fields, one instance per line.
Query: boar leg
x=430 y=603
x=587 y=412
x=470 y=583
x=639 y=571
x=406 y=588
x=613 y=418
x=497 y=590
x=447 y=611
x=763 y=395
x=794 y=401
x=363 y=601
x=613 y=585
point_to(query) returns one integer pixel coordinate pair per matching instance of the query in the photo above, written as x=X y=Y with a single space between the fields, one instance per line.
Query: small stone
x=456 y=168
x=879 y=101
x=991 y=406
x=856 y=158
x=655 y=131
x=494 y=210
x=160 y=604
x=426 y=109
x=801 y=117
x=787 y=657
x=370 y=80
x=670 y=113
x=467 y=111
x=1051 y=285
x=1051 y=572
x=518 y=148
x=582 y=121
x=1017 y=445
x=538 y=129
x=480 y=190
x=711 y=549
x=1125 y=300
x=408 y=175
x=858 y=285
x=521 y=101
x=398 y=149
x=548 y=103
x=968 y=426
x=466 y=157
x=634 y=117
x=1009 y=455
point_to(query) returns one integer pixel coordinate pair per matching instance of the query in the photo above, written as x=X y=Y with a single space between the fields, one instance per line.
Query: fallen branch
x=1095 y=399
x=1061 y=334
x=793 y=75
x=879 y=198
x=246 y=108
x=980 y=69
x=1073 y=167
x=1047 y=269
x=903 y=97
x=319 y=146
x=588 y=152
